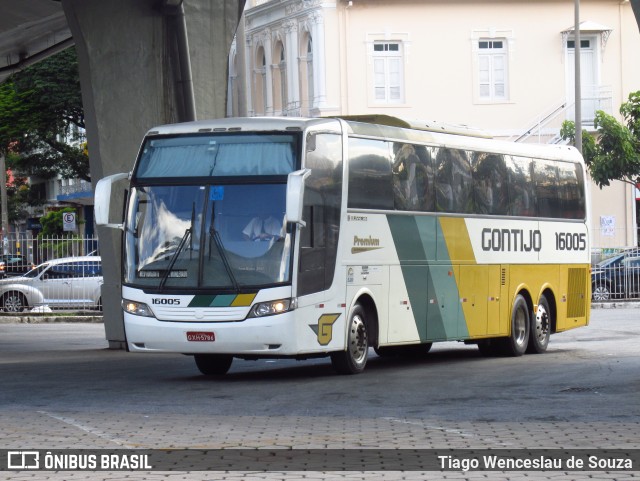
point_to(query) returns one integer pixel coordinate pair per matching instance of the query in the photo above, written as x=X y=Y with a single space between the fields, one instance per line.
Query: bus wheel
x=213 y=364
x=354 y=358
x=540 y=328
x=516 y=343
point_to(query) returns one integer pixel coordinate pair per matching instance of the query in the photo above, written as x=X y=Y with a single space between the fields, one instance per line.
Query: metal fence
x=61 y=281
x=615 y=274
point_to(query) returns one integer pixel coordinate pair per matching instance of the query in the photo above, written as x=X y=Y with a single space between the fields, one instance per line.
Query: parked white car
x=70 y=282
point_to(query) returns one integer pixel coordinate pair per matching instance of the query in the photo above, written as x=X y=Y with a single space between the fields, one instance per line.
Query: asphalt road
x=596 y=368
x=62 y=388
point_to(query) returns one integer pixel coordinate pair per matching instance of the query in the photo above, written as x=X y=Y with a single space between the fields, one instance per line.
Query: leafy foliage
x=41 y=118
x=616 y=153
x=52 y=223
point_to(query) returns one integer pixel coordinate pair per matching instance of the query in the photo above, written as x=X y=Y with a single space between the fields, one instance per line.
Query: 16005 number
x=567 y=241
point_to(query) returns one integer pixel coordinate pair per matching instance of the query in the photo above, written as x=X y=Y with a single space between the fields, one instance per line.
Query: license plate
x=200 y=336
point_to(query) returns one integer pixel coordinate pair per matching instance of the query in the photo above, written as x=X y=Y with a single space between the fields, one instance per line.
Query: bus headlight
x=272 y=307
x=136 y=308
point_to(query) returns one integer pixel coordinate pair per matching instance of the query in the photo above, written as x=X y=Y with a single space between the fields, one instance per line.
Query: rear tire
x=516 y=343
x=213 y=364
x=14 y=301
x=540 y=328
x=354 y=358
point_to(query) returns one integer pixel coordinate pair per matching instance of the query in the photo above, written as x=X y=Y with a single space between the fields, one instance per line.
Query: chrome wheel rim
x=542 y=325
x=13 y=303
x=358 y=342
x=601 y=293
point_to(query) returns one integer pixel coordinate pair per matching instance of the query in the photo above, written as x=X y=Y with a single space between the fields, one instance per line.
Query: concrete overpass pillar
x=128 y=56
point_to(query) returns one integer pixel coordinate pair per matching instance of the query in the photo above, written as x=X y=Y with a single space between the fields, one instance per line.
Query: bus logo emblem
x=324 y=328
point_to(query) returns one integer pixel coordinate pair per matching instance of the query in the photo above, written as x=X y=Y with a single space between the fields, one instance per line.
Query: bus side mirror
x=103 y=200
x=295 y=196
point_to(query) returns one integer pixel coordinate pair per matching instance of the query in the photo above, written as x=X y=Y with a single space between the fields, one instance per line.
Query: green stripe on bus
x=428 y=276
x=222 y=300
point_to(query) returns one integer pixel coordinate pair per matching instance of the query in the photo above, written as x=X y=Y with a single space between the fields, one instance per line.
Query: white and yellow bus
x=284 y=237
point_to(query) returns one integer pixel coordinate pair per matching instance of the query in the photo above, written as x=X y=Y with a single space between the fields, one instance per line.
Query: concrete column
x=293 y=69
x=319 y=61
x=268 y=55
x=126 y=53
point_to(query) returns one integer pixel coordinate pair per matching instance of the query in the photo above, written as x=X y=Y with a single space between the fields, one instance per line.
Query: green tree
x=614 y=153
x=45 y=100
x=53 y=225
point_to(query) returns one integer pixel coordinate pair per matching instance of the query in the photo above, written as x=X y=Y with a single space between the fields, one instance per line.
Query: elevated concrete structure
x=130 y=56
x=138 y=59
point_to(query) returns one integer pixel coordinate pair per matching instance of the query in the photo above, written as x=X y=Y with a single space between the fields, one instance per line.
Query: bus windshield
x=228 y=236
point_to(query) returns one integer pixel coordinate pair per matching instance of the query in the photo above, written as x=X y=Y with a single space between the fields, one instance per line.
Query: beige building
x=505 y=66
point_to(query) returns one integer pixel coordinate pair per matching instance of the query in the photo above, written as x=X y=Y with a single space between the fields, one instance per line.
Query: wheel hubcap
x=601 y=293
x=12 y=303
x=358 y=343
x=542 y=323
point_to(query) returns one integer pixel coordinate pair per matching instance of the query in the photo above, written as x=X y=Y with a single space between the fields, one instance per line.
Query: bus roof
x=427 y=125
x=393 y=128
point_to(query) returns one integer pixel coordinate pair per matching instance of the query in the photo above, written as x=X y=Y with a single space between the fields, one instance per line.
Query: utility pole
x=3 y=194
x=578 y=92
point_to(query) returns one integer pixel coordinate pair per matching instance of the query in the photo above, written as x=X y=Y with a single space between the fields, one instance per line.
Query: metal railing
x=59 y=279
x=615 y=274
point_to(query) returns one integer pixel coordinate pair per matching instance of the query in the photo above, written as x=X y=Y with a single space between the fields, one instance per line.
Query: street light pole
x=3 y=194
x=578 y=93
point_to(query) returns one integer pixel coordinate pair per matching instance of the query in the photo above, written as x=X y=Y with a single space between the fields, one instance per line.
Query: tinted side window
x=413 y=177
x=489 y=183
x=321 y=212
x=370 y=174
x=546 y=185
x=522 y=197
x=91 y=269
x=571 y=191
x=453 y=181
x=61 y=271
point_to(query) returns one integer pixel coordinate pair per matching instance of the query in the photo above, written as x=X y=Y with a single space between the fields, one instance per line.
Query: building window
x=492 y=73
x=388 y=75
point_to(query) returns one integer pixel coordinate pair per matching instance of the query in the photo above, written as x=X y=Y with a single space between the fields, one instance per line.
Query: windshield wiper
x=174 y=257
x=215 y=235
x=188 y=234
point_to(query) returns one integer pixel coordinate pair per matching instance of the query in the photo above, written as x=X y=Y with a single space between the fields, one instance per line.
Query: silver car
x=70 y=282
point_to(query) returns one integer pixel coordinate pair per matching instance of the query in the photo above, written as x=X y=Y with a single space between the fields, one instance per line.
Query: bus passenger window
x=370 y=185
x=546 y=185
x=571 y=195
x=412 y=177
x=522 y=199
x=453 y=181
x=489 y=183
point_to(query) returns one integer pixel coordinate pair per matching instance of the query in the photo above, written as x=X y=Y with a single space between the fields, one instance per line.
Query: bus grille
x=577 y=290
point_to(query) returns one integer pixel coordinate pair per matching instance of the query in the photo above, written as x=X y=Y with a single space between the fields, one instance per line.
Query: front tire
x=540 y=328
x=213 y=364
x=354 y=358
x=14 y=302
x=517 y=342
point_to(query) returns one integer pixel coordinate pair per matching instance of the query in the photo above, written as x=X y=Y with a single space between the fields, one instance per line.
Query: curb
x=40 y=319
x=616 y=305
